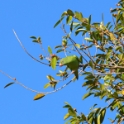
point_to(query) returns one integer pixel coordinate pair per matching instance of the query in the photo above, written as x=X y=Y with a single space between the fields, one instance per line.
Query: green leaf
x=46 y=85
x=83 y=117
x=59 y=46
x=39 y=96
x=71 y=112
x=71 y=26
x=8 y=84
x=66 y=116
x=80 y=30
x=39 y=40
x=49 y=77
x=81 y=59
x=60 y=50
x=59 y=21
x=87 y=95
x=49 y=50
x=90 y=117
x=33 y=37
x=35 y=40
x=78 y=46
x=89 y=19
x=53 y=62
x=64 y=42
x=69 y=12
x=89 y=82
x=97 y=110
x=102 y=112
x=112 y=36
x=113 y=10
x=88 y=39
x=98 y=119
x=68 y=19
x=64 y=14
x=79 y=16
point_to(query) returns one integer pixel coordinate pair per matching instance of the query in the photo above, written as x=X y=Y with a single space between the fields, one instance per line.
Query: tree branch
x=27 y=51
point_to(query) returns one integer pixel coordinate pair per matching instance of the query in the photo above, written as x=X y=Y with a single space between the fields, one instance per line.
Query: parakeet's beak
x=60 y=64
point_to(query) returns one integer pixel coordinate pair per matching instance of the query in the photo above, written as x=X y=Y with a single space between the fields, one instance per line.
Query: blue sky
x=37 y=18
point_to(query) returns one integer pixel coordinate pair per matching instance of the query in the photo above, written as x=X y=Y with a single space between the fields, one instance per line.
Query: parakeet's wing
x=72 y=63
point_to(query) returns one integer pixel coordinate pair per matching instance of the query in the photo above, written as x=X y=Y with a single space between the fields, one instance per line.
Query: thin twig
x=43 y=49
x=60 y=88
x=73 y=42
x=27 y=51
x=17 y=82
x=32 y=90
x=65 y=52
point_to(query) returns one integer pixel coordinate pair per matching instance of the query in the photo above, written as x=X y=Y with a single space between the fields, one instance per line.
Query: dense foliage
x=99 y=59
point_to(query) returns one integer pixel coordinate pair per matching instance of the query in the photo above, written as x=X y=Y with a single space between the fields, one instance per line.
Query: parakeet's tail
x=76 y=74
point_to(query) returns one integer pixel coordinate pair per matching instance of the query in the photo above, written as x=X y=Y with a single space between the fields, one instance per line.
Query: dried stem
x=27 y=51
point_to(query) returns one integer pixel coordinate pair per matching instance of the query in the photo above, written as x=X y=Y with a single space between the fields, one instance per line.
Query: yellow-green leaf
x=71 y=112
x=77 y=45
x=39 y=96
x=66 y=116
x=78 y=16
x=122 y=92
x=46 y=85
x=53 y=62
x=49 y=77
x=98 y=119
x=68 y=19
x=49 y=50
x=87 y=95
x=103 y=111
x=88 y=39
x=112 y=36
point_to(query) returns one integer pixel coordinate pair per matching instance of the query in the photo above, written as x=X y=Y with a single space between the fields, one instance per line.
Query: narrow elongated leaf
x=88 y=39
x=103 y=111
x=49 y=77
x=68 y=19
x=78 y=46
x=71 y=26
x=87 y=95
x=66 y=116
x=46 y=85
x=98 y=119
x=64 y=14
x=89 y=19
x=49 y=50
x=53 y=62
x=35 y=40
x=60 y=50
x=58 y=46
x=33 y=37
x=59 y=21
x=39 y=96
x=8 y=84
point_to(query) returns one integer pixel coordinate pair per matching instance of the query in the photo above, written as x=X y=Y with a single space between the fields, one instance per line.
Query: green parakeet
x=72 y=62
